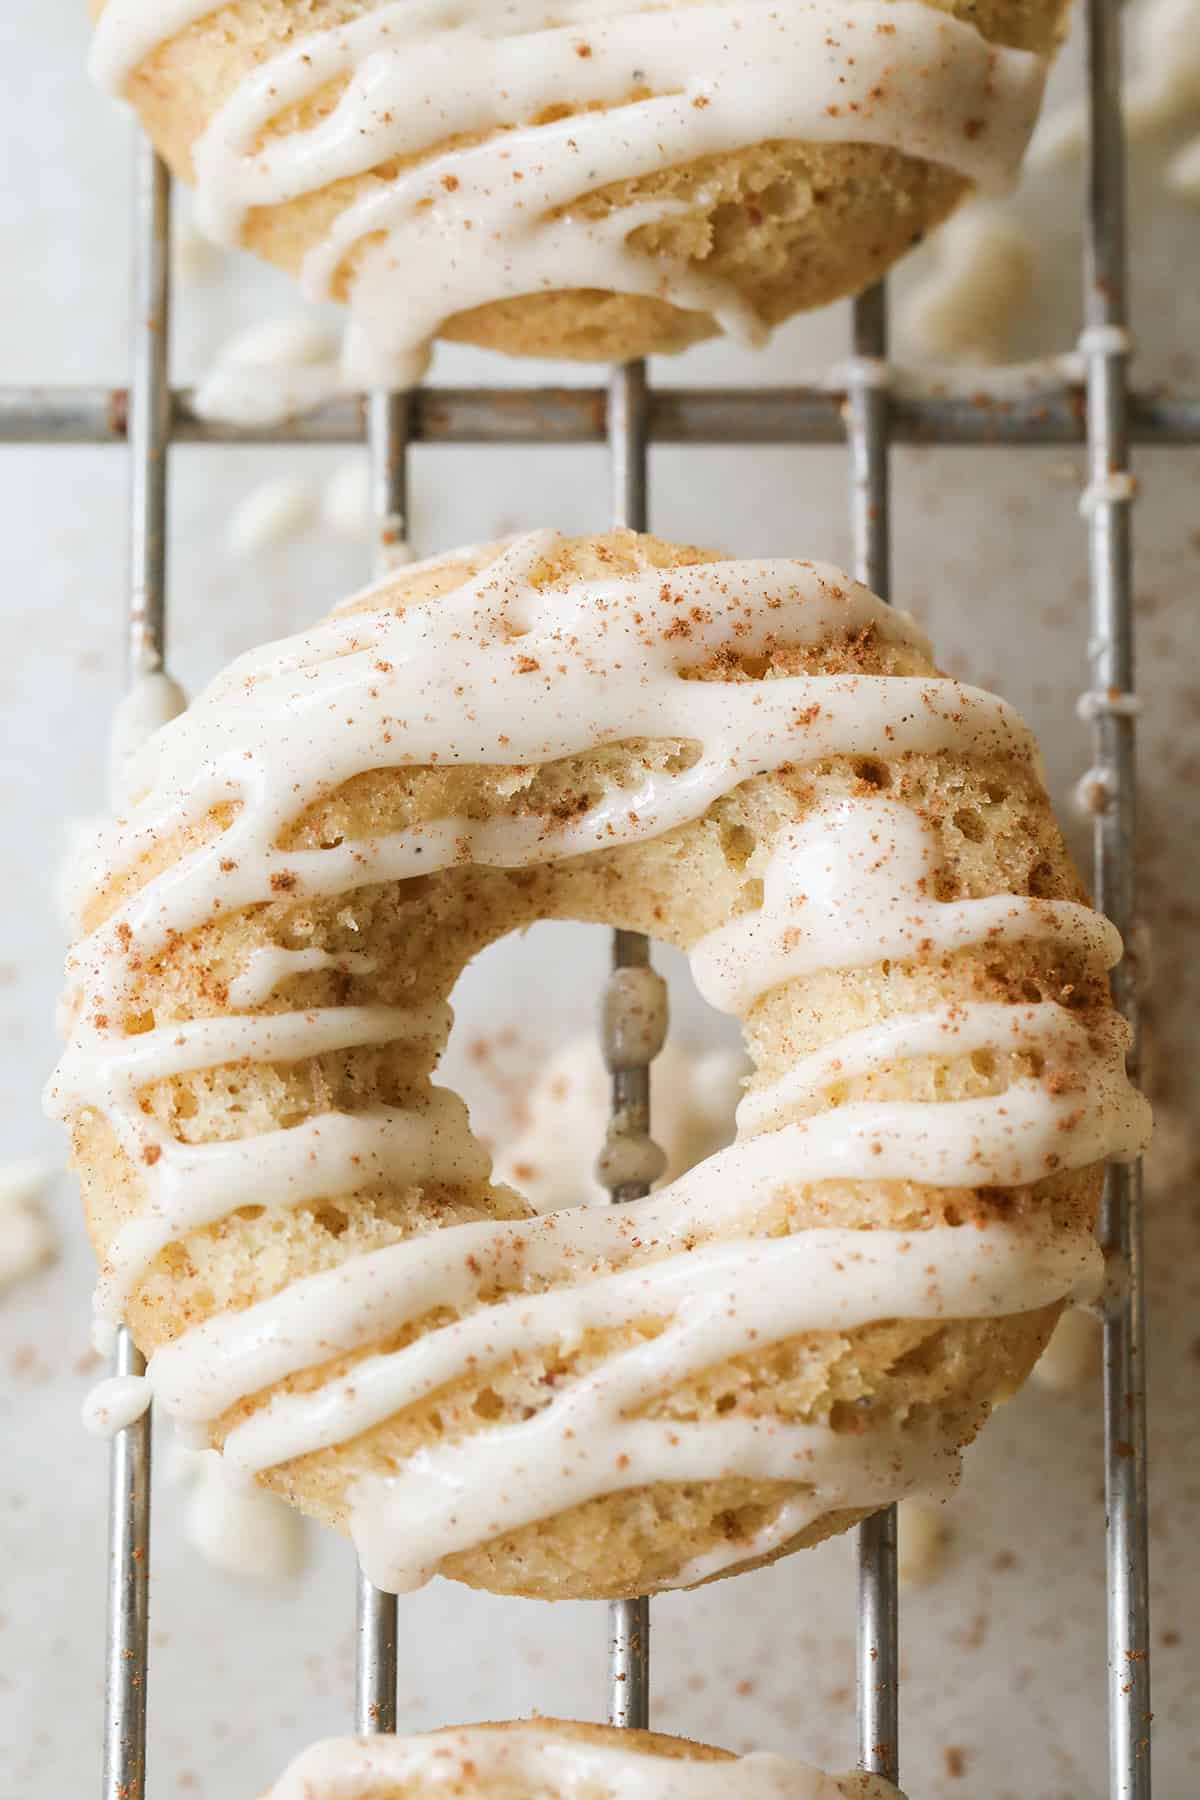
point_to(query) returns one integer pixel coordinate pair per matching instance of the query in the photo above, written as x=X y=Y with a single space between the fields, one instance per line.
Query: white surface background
x=1004 y=1655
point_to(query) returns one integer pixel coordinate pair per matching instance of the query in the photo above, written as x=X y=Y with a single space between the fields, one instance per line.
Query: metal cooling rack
x=867 y=411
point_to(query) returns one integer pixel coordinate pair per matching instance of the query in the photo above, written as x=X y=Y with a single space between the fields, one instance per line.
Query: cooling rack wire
x=868 y=408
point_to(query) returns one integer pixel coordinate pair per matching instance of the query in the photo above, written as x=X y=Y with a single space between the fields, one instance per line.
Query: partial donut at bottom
x=553 y=1758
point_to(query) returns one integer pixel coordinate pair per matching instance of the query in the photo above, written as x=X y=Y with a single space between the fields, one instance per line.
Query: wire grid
x=867 y=413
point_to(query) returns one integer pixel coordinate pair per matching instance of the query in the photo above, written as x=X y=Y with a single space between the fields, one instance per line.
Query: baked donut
x=754 y=761
x=555 y=1759
x=587 y=178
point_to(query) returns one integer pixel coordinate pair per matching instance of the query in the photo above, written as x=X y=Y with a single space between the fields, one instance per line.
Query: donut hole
x=525 y=1054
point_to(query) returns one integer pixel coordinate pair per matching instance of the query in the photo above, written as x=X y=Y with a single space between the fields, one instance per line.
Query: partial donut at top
x=754 y=761
x=588 y=178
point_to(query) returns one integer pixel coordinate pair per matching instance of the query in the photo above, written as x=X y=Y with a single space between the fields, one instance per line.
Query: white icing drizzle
x=271 y=965
x=150 y=703
x=502 y=672
x=534 y=1758
x=653 y=87
x=127 y=31
x=958 y=1030
x=116 y=1403
x=848 y=887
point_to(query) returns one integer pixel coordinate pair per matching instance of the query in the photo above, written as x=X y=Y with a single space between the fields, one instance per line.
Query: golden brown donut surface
x=592 y=178
x=755 y=762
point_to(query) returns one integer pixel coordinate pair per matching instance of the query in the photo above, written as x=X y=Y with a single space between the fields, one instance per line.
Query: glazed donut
x=595 y=178
x=555 y=1759
x=754 y=761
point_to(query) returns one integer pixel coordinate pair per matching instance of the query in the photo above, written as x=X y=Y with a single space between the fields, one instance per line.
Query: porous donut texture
x=404 y=943
x=518 y=1760
x=784 y=225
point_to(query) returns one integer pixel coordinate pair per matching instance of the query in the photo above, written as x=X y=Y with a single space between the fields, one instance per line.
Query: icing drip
x=115 y=1403
x=152 y=702
x=531 y=678
x=653 y=88
x=529 y=1759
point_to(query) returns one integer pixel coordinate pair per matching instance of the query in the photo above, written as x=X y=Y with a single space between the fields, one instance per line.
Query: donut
x=555 y=1759
x=581 y=178
x=756 y=762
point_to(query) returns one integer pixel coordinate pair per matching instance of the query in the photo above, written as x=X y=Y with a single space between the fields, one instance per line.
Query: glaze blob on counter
x=755 y=761
x=578 y=177
x=554 y=1759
